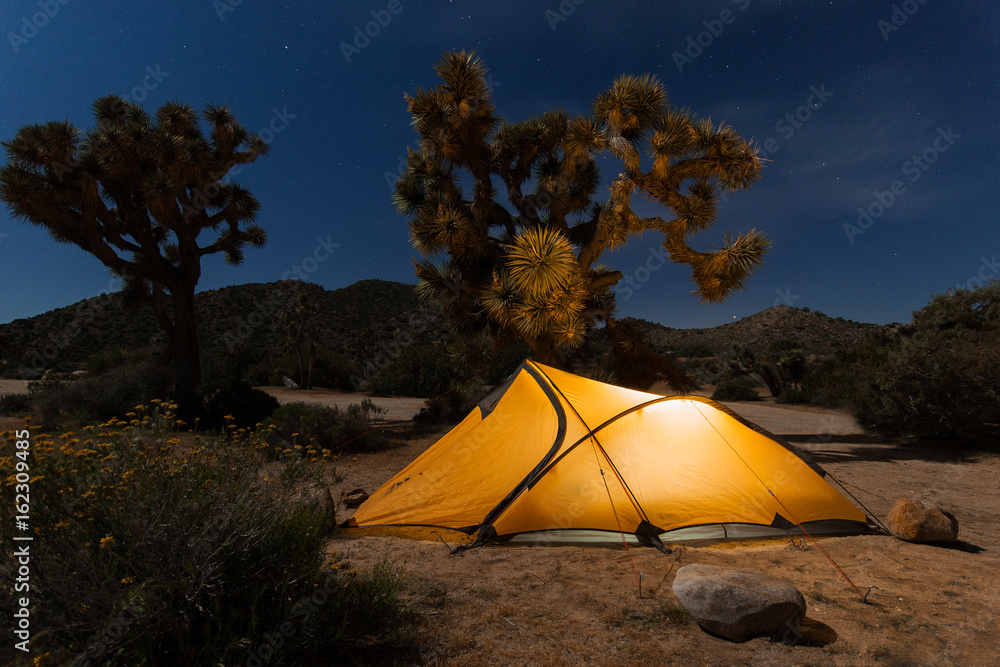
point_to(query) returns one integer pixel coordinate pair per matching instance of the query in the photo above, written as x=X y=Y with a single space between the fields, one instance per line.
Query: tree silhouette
x=301 y=325
x=137 y=192
x=532 y=271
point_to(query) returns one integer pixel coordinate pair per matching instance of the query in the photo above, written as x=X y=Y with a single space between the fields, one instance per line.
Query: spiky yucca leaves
x=532 y=271
x=137 y=191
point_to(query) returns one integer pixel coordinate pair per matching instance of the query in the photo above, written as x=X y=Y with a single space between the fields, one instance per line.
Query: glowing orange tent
x=551 y=456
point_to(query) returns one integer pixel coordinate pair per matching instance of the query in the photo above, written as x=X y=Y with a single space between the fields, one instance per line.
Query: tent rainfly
x=553 y=457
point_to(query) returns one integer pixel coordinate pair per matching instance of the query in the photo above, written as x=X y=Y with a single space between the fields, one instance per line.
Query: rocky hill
x=816 y=333
x=360 y=322
x=247 y=320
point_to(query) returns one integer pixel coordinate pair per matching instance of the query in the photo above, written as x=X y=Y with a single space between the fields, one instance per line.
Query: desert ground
x=559 y=605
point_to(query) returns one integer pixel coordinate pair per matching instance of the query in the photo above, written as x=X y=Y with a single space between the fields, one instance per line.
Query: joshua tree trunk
x=184 y=342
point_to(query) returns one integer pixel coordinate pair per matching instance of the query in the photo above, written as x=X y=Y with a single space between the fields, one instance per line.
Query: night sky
x=887 y=107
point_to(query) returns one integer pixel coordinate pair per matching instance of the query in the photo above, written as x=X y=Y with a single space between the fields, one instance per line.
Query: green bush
x=162 y=552
x=96 y=398
x=792 y=397
x=934 y=379
x=353 y=429
x=234 y=402
x=15 y=404
x=423 y=372
x=740 y=389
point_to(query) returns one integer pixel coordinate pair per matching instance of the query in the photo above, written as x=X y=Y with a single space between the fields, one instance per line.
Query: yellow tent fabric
x=552 y=451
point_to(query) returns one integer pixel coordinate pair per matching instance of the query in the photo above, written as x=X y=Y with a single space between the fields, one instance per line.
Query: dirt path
x=930 y=605
x=397 y=407
x=13 y=386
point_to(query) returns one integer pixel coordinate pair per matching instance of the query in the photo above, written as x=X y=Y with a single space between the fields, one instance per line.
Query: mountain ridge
x=360 y=321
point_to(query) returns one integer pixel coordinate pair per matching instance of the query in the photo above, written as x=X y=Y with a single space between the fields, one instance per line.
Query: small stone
x=915 y=520
x=355 y=498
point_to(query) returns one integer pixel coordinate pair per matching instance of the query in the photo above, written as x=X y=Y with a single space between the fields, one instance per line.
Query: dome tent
x=551 y=456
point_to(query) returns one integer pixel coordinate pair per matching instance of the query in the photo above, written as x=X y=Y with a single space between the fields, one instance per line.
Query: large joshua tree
x=531 y=271
x=138 y=192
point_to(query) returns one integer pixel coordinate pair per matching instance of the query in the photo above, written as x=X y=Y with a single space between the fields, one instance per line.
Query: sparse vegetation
x=332 y=429
x=740 y=389
x=95 y=398
x=934 y=379
x=166 y=548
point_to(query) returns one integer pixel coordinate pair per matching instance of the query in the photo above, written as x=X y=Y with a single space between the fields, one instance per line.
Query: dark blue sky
x=897 y=117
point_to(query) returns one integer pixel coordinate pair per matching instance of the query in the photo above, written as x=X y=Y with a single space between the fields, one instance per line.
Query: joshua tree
x=532 y=271
x=137 y=192
x=300 y=337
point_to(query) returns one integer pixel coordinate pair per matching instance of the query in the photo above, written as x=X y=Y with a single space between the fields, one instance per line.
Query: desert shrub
x=739 y=389
x=160 y=551
x=332 y=370
x=354 y=428
x=934 y=379
x=697 y=350
x=707 y=370
x=423 y=372
x=96 y=398
x=792 y=397
x=234 y=402
x=109 y=359
x=14 y=404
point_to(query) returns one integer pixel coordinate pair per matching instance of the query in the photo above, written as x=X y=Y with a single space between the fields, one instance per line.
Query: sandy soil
x=398 y=408
x=13 y=386
x=929 y=605
x=553 y=605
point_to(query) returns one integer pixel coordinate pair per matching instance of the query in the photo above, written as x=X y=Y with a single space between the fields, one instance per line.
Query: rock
x=290 y=383
x=739 y=604
x=322 y=501
x=919 y=521
x=355 y=498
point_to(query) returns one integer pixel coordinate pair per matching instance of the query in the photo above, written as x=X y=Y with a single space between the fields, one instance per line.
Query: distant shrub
x=934 y=379
x=696 y=351
x=333 y=370
x=354 y=428
x=234 y=401
x=100 y=397
x=14 y=404
x=740 y=389
x=107 y=360
x=188 y=554
x=423 y=372
x=792 y=397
